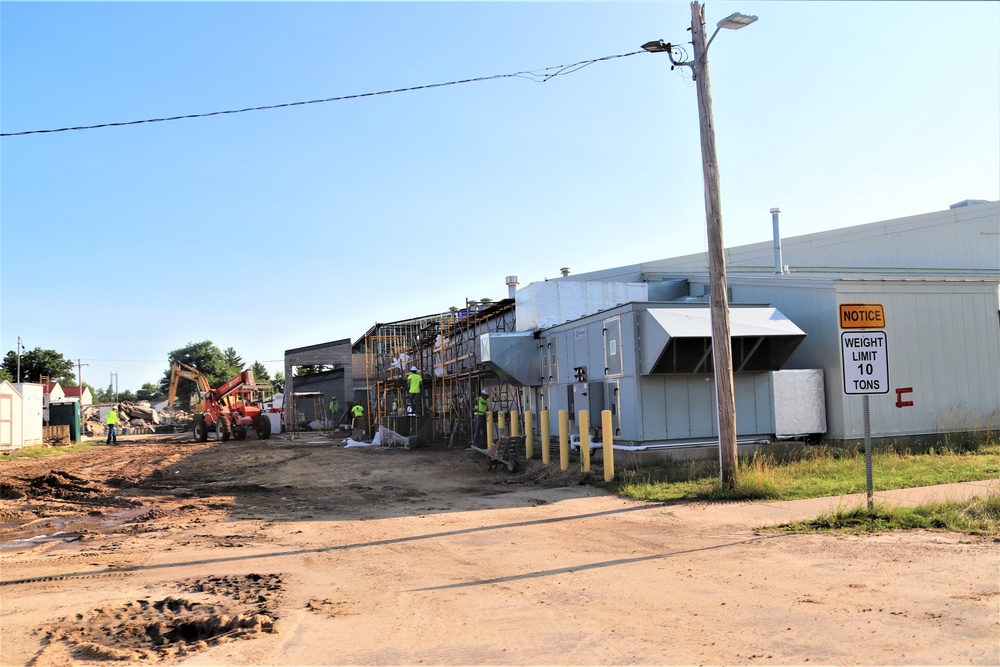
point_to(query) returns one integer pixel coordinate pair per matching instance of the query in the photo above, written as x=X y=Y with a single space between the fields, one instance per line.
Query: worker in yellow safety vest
x=359 y=416
x=112 y=424
x=480 y=409
x=414 y=384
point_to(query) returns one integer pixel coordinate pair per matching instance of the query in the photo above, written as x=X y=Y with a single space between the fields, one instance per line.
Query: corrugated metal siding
x=943 y=342
x=921 y=244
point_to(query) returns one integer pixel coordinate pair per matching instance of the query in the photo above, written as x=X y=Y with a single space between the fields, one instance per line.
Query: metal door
x=613 y=366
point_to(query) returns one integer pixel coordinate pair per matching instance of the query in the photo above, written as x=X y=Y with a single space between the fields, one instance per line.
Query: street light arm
x=705 y=54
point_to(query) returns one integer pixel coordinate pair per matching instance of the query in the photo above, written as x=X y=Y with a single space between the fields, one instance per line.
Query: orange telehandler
x=231 y=410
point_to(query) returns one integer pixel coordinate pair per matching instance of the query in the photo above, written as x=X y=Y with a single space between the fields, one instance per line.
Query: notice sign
x=862 y=316
x=865 y=361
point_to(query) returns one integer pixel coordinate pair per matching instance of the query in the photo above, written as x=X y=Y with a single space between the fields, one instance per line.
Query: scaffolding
x=445 y=349
x=389 y=353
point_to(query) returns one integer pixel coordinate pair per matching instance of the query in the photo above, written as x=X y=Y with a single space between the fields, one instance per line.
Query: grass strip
x=976 y=516
x=783 y=473
x=41 y=452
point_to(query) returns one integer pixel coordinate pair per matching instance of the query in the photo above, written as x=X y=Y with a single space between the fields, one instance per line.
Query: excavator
x=231 y=410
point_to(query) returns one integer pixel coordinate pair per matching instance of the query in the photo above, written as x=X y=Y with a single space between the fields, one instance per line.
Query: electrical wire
x=538 y=76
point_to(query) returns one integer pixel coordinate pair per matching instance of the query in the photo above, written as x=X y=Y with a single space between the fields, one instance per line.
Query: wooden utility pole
x=79 y=377
x=721 y=345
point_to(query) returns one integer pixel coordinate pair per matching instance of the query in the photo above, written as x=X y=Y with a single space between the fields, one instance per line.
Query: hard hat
x=413 y=368
x=484 y=392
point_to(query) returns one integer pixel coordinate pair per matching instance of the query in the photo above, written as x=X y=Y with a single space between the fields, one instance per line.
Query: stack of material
x=92 y=422
x=56 y=435
x=132 y=411
x=175 y=417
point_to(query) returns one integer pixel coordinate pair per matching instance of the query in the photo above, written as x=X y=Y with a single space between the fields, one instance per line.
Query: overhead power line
x=538 y=75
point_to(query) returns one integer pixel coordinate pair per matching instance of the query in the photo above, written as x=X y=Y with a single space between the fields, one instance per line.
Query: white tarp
x=351 y=442
x=389 y=438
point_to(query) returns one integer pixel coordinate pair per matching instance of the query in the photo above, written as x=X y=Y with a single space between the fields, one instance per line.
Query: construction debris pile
x=134 y=419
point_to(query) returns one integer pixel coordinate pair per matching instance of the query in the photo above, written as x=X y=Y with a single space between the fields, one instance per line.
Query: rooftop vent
x=968 y=202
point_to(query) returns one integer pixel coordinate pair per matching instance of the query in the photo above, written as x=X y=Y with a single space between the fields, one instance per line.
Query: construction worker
x=334 y=408
x=359 y=416
x=414 y=383
x=112 y=425
x=480 y=408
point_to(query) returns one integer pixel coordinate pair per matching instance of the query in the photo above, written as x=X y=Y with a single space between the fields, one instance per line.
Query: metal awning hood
x=679 y=340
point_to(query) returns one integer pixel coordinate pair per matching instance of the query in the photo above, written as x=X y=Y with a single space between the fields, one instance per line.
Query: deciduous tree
x=150 y=392
x=39 y=362
x=208 y=359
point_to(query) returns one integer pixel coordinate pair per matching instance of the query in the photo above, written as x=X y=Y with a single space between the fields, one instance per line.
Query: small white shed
x=10 y=417
x=32 y=412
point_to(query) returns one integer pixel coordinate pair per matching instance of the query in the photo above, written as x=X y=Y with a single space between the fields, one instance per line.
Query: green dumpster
x=66 y=413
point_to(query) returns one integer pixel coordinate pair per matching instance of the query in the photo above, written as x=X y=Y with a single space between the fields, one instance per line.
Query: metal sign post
x=865 y=364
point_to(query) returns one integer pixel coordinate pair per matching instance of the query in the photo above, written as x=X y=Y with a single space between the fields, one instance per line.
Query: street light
x=719 y=307
x=735 y=21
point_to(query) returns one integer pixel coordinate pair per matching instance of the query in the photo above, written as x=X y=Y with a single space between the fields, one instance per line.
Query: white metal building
x=937 y=276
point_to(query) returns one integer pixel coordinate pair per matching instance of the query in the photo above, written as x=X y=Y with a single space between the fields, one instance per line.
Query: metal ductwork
x=513 y=356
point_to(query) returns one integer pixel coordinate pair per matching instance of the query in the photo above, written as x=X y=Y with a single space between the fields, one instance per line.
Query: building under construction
x=445 y=349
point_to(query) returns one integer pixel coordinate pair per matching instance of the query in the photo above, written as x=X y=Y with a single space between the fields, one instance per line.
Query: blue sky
x=276 y=229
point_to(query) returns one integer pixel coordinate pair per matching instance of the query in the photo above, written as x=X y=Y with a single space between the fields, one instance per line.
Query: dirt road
x=302 y=552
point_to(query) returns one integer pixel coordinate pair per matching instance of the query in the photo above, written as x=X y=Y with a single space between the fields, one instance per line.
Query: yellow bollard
x=502 y=425
x=563 y=440
x=529 y=445
x=545 y=441
x=515 y=424
x=609 y=451
x=584 y=417
x=489 y=430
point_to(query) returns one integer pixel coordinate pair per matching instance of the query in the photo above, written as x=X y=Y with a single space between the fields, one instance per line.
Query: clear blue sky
x=276 y=229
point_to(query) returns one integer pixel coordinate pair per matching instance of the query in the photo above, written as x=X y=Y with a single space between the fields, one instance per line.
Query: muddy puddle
x=69 y=529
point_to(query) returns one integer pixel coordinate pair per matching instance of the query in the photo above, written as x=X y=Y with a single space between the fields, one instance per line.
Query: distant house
x=52 y=392
x=84 y=395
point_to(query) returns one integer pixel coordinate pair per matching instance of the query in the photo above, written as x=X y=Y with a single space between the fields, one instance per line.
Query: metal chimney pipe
x=511 y=286
x=565 y=271
x=778 y=267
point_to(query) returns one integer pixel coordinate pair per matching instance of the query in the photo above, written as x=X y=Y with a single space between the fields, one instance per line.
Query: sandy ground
x=302 y=552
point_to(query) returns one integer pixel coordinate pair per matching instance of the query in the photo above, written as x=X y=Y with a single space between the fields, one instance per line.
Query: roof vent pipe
x=511 y=286
x=564 y=271
x=778 y=267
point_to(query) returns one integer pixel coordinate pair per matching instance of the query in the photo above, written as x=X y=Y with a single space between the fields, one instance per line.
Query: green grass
x=977 y=516
x=794 y=472
x=40 y=452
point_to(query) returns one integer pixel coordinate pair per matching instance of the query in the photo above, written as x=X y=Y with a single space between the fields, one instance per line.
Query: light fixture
x=736 y=21
x=656 y=46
